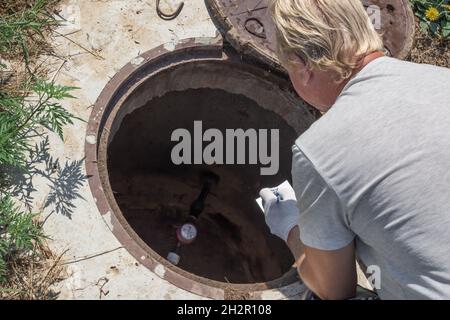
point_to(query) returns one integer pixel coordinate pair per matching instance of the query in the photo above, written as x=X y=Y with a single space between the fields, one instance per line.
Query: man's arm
x=315 y=228
x=331 y=275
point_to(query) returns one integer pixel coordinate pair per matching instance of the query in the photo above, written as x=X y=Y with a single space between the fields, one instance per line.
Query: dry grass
x=15 y=82
x=430 y=50
x=32 y=276
x=22 y=10
x=24 y=60
x=9 y=7
x=236 y=295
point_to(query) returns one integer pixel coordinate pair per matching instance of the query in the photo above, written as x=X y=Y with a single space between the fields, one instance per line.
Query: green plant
x=34 y=104
x=21 y=115
x=19 y=233
x=22 y=31
x=434 y=16
x=19 y=119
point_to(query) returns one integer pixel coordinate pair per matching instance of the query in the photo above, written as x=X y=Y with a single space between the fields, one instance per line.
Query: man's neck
x=364 y=62
x=368 y=59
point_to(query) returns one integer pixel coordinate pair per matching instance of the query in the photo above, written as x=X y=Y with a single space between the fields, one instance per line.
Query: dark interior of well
x=234 y=244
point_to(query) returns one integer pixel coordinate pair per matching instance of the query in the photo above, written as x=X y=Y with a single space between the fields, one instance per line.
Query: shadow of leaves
x=65 y=184
x=64 y=180
x=19 y=180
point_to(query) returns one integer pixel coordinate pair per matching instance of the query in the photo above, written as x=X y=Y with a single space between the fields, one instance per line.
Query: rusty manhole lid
x=247 y=25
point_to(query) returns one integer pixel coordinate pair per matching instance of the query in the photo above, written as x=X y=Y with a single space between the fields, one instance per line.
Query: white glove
x=280 y=210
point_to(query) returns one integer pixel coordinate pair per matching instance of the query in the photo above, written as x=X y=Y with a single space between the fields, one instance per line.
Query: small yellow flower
x=446 y=6
x=432 y=14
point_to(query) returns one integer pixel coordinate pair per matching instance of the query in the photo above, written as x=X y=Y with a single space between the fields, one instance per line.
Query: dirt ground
x=234 y=244
x=430 y=50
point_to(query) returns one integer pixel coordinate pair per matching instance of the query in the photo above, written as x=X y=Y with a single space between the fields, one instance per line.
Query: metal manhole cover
x=247 y=25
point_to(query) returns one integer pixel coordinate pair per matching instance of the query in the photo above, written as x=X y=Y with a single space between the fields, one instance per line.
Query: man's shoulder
x=329 y=131
x=387 y=64
x=370 y=109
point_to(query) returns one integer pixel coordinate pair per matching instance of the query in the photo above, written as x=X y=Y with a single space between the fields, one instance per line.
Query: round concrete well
x=144 y=196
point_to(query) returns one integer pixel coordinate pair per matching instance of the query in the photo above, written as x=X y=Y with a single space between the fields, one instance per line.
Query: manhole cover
x=247 y=25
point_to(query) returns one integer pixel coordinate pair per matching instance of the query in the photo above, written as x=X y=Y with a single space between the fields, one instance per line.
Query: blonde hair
x=324 y=34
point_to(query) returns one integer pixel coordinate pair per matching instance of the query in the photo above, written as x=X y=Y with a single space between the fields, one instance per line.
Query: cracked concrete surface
x=99 y=38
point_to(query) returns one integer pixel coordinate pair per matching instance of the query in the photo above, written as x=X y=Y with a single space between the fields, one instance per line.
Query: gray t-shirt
x=376 y=169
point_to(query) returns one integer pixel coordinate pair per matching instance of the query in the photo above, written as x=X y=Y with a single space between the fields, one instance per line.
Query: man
x=372 y=176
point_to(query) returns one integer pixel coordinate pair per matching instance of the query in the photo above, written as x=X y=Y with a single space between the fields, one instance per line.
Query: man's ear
x=307 y=76
x=301 y=72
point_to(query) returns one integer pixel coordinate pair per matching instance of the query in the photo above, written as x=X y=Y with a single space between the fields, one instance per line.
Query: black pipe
x=198 y=205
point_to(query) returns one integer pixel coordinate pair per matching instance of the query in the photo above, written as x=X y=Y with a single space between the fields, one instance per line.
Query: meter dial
x=187 y=233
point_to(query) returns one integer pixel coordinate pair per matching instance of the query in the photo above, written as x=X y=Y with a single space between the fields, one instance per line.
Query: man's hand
x=280 y=209
x=330 y=274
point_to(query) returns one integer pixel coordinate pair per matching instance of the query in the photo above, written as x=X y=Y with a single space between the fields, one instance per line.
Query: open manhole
x=144 y=196
x=233 y=244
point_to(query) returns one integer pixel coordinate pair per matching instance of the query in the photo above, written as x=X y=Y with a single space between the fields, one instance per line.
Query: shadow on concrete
x=64 y=179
